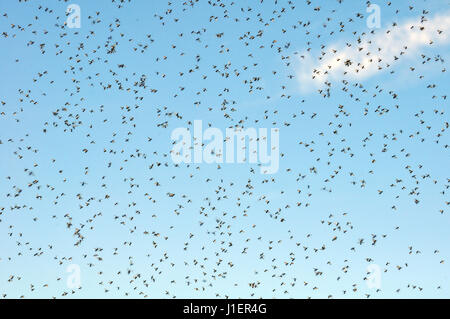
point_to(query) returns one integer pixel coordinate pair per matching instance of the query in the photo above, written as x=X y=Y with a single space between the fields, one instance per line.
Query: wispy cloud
x=374 y=52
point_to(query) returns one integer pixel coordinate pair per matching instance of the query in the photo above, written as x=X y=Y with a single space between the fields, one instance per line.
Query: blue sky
x=360 y=118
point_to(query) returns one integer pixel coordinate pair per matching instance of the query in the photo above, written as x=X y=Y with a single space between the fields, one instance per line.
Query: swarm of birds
x=358 y=208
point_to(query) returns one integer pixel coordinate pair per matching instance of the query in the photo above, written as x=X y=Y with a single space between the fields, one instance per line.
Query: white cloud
x=374 y=52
